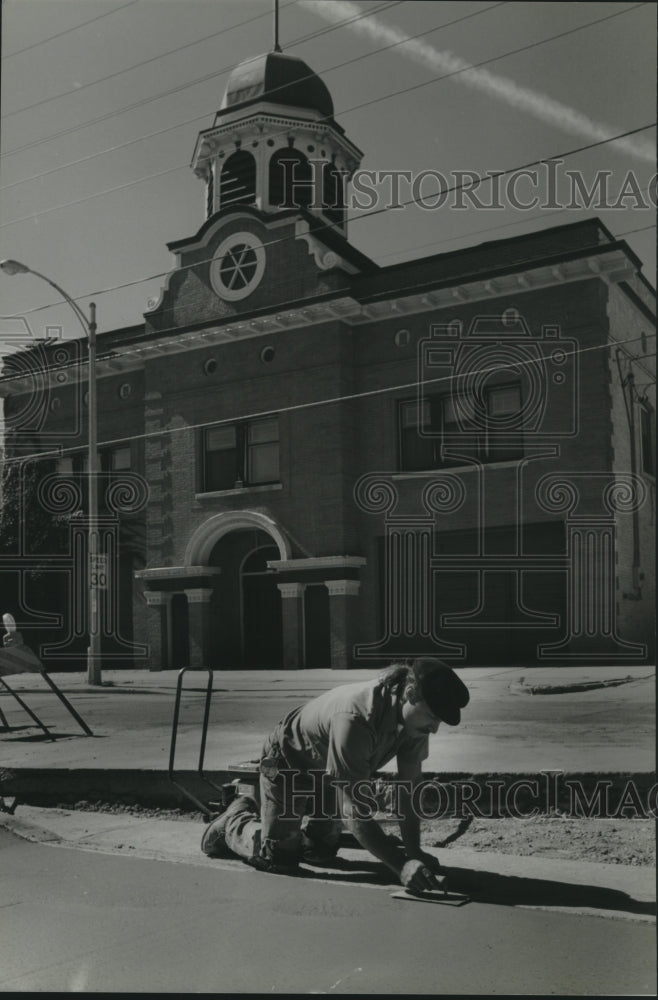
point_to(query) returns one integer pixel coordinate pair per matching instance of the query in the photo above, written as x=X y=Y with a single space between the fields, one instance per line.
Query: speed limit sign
x=98 y=572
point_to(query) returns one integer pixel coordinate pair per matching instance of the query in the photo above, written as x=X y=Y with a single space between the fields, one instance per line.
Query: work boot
x=213 y=841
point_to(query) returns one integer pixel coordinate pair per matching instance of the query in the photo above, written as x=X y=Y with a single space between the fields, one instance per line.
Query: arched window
x=333 y=198
x=291 y=179
x=237 y=181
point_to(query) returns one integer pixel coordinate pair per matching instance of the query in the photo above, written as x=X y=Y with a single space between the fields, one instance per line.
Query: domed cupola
x=274 y=143
x=279 y=79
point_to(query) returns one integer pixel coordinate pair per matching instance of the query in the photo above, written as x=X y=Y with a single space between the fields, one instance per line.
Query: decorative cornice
x=176 y=572
x=198 y=595
x=290 y=590
x=315 y=562
x=158 y=598
x=63 y=376
x=323 y=256
x=612 y=267
x=210 y=141
x=343 y=588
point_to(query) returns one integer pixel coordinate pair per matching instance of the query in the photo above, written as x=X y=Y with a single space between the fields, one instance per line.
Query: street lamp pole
x=94 y=674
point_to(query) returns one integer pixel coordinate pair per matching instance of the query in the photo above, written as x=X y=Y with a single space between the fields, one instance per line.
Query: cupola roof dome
x=280 y=79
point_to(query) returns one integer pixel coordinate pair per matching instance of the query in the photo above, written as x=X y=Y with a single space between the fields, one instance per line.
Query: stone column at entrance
x=292 y=615
x=342 y=621
x=198 y=611
x=158 y=632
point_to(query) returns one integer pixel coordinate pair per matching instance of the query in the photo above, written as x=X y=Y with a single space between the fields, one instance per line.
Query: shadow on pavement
x=490 y=887
x=511 y=890
x=50 y=737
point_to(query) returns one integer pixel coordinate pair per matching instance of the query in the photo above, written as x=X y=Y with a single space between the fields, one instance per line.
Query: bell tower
x=274 y=143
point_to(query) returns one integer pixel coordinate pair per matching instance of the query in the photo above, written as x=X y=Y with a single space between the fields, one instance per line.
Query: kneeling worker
x=349 y=733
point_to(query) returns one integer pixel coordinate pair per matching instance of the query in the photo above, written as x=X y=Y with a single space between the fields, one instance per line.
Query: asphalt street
x=74 y=921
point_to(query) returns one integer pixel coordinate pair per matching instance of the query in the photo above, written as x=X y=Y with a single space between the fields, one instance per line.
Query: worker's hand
x=417 y=877
x=431 y=862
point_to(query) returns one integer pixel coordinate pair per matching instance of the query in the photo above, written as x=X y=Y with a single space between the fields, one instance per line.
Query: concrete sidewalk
x=619 y=891
x=601 y=724
x=506 y=732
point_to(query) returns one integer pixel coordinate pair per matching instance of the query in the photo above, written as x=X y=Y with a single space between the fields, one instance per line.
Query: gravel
x=619 y=841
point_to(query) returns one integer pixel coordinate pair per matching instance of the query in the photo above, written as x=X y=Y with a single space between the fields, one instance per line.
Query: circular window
x=124 y=390
x=238 y=266
x=402 y=338
x=55 y=404
x=267 y=355
x=210 y=366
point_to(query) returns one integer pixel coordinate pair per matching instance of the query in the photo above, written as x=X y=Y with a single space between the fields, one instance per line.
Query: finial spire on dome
x=277 y=47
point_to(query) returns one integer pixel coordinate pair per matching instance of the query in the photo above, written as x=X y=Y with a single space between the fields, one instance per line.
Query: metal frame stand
x=208 y=814
x=67 y=704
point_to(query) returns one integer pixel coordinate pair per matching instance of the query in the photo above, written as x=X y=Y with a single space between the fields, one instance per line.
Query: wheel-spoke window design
x=238 y=266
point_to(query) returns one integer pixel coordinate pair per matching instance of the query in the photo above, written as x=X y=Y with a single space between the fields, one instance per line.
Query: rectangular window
x=416 y=451
x=263 y=451
x=504 y=436
x=648 y=439
x=120 y=458
x=440 y=432
x=237 y=455
x=221 y=471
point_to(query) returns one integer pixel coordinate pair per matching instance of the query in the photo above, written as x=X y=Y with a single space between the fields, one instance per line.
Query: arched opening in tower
x=291 y=179
x=237 y=181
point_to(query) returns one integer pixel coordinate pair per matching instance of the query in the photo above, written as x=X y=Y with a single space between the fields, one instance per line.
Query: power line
x=492 y=229
x=629 y=232
x=196 y=118
x=345 y=111
x=142 y=63
x=469 y=235
x=329 y=69
x=364 y=215
x=297 y=301
x=177 y=89
x=67 y=31
x=329 y=401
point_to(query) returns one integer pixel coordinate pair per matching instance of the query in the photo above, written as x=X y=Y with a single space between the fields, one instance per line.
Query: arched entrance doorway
x=262 y=635
x=245 y=612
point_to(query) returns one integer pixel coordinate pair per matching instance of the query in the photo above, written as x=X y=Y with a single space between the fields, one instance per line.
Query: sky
x=102 y=102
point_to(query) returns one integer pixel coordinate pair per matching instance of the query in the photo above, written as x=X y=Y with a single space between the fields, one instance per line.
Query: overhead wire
x=473 y=182
x=268 y=93
x=179 y=88
x=143 y=62
x=328 y=401
x=68 y=31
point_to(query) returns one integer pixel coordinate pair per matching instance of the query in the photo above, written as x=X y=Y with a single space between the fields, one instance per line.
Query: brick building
x=310 y=460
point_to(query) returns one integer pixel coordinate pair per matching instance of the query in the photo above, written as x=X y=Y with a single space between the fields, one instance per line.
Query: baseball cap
x=444 y=693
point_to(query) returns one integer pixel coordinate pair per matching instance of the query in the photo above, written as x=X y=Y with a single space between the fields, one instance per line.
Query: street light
x=89 y=326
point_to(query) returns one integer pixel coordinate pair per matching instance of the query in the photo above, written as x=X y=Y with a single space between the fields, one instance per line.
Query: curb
x=593 y=888
x=520 y=687
x=459 y=794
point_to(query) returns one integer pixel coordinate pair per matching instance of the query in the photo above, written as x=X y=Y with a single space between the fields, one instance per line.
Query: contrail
x=541 y=106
